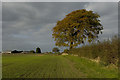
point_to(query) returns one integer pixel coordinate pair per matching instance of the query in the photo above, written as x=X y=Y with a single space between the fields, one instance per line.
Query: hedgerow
x=106 y=50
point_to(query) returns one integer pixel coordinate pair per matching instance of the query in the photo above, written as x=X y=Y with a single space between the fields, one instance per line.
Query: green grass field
x=53 y=66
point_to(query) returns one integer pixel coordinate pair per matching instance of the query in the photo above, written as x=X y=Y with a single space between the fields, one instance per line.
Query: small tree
x=55 y=49
x=38 y=50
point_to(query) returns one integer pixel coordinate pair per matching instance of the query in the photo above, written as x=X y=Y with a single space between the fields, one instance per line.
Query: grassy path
x=31 y=66
x=92 y=69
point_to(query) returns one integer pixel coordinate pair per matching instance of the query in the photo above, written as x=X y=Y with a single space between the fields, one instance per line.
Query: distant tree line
x=38 y=50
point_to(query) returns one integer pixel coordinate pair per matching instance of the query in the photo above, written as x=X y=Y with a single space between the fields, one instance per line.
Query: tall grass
x=106 y=50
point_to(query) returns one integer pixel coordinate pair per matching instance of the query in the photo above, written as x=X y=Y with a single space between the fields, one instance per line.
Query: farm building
x=15 y=51
x=7 y=52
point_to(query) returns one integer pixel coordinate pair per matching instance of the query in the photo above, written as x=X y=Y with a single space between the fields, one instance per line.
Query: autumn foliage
x=77 y=27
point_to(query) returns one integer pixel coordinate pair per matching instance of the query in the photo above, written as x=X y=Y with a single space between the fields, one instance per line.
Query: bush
x=59 y=53
x=50 y=53
x=32 y=51
x=66 y=50
x=106 y=50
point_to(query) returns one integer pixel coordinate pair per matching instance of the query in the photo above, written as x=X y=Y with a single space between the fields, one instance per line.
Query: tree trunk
x=71 y=45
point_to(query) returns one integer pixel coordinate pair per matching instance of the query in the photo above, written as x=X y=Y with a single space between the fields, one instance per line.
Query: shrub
x=66 y=50
x=50 y=53
x=106 y=50
x=32 y=51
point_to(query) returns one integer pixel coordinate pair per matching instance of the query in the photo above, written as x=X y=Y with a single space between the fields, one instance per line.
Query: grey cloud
x=28 y=25
x=61 y=1
x=109 y=17
x=0 y=26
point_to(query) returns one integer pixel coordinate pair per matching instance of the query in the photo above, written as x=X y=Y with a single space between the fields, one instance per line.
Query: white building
x=7 y=52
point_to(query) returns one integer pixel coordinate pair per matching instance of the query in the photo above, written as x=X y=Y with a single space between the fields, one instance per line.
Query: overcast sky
x=60 y=0
x=29 y=25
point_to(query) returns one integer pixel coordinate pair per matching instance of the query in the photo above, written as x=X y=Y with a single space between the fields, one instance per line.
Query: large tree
x=77 y=27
